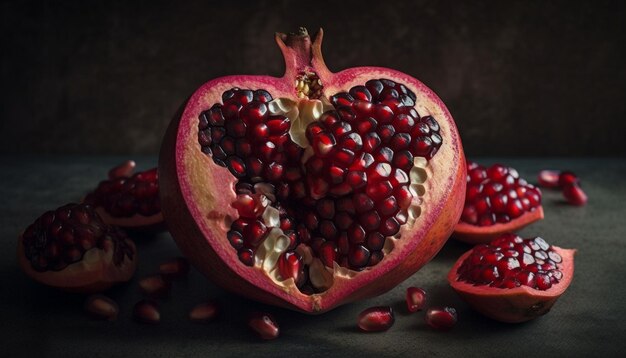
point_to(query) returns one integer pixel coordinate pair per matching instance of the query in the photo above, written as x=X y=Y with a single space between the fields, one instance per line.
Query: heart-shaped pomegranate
x=497 y=201
x=314 y=189
x=513 y=279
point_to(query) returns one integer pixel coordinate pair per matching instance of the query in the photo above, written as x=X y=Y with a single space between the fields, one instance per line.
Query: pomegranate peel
x=473 y=234
x=215 y=154
x=517 y=304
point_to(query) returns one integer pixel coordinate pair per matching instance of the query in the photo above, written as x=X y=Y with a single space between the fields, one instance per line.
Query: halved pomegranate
x=497 y=201
x=130 y=201
x=513 y=279
x=315 y=189
x=73 y=249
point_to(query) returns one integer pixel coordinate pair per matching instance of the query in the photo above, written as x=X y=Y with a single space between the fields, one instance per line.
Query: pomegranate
x=513 y=279
x=73 y=249
x=315 y=189
x=130 y=201
x=574 y=194
x=204 y=312
x=101 y=307
x=497 y=200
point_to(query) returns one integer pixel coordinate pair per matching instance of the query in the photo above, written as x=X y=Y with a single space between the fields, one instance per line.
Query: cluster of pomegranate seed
x=241 y=135
x=126 y=196
x=351 y=193
x=497 y=195
x=568 y=182
x=510 y=261
x=61 y=237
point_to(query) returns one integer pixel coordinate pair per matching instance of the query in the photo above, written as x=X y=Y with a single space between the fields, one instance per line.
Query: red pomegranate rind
x=194 y=195
x=497 y=201
x=128 y=200
x=473 y=234
x=517 y=304
x=99 y=256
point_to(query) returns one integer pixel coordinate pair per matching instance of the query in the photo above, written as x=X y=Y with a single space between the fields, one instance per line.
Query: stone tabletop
x=588 y=320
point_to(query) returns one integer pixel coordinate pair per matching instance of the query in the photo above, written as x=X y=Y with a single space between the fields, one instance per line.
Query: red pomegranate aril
x=101 y=307
x=568 y=178
x=290 y=266
x=264 y=325
x=246 y=256
x=575 y=195
x=549 y=178
x=204 y=312
x=376 y=319
x=154 y=286
x=441 y=318
x=174 y=268
x=415 y=299
x=358 y=256
x=147 y=311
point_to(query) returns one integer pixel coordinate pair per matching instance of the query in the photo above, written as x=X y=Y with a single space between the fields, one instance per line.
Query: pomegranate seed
x=204 y=312
x=264 y=325
x=290 y=266
x=549 y=178
x=376 y=319
x=154 y=286
x=147 y=311
x=123 y=170
x=101 y=307
x=574 y=195
x=175 y=268
x=567 y=178
x=415 y=299
x=441 y=318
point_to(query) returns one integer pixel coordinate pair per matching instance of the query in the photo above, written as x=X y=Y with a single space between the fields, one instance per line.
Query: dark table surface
x=588 y=320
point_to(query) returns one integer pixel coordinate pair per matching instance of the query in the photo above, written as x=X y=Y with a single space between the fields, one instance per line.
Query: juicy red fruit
x=352 y=192
x=264 y=325
x=510 y=262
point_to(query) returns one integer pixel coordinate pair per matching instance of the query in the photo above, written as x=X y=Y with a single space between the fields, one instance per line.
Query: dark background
x=521 y=78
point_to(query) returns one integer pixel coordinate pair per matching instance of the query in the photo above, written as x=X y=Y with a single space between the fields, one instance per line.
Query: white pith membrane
x=301 y=113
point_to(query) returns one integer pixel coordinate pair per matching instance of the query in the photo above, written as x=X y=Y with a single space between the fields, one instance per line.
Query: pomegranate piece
x=497 y=201
x=376 y=319
x=73 y=249
x=442 y=319
x=147 y=311
x=128 y=200
x=175 y=268
x=513 y=279
x=101 y=307
x=415 y=299
x=264 y=325
x=305 y=191
x=204 y=312
x=575 y=195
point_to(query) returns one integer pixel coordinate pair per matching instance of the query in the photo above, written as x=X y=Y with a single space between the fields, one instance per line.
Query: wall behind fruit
x=521 y=78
